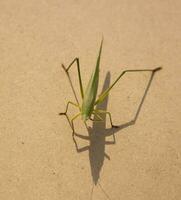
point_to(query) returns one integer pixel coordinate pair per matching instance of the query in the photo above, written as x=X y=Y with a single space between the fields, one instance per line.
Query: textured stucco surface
x=38 y=159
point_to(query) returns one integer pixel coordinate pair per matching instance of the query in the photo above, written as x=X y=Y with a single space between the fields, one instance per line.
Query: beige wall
x=38 y=160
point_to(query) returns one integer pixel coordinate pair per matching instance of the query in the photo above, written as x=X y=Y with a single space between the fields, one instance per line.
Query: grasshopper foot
x=64 y=68
x=64 y=113
x=113 y=126
x=157 y=69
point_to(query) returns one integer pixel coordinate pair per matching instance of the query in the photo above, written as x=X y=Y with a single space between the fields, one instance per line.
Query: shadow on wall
x=97 y=139
x=98 y=133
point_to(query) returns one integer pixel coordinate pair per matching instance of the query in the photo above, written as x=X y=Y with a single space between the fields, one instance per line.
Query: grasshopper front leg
x=67 y=106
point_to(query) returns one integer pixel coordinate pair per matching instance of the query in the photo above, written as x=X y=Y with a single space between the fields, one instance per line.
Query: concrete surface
x=38 y=159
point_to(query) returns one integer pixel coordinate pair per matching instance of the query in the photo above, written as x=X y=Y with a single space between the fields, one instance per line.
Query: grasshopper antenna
x=104 y=192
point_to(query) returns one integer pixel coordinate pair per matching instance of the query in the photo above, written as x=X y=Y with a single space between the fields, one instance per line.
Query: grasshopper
x=89 y=101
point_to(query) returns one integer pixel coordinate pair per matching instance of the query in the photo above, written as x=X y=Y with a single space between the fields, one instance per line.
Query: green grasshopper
x=89 y=101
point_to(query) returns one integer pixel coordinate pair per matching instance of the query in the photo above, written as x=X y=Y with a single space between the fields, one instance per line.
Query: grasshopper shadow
x=97 y=139
x=98 y=133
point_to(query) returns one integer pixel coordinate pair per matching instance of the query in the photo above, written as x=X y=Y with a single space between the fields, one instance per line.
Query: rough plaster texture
x=38 y=159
